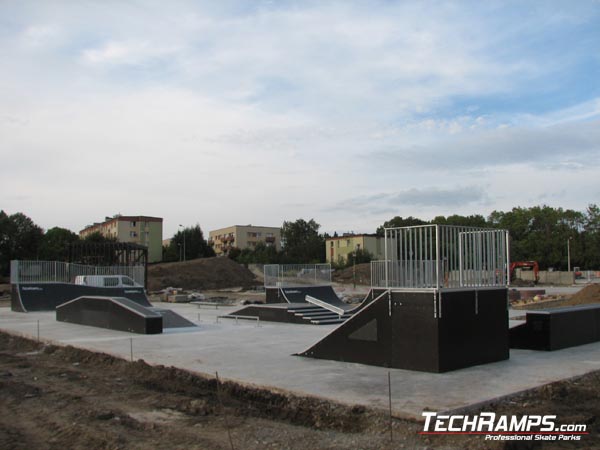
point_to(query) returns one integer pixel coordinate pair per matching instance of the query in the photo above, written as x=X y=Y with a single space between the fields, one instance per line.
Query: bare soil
x=588 y=295
x=200 y=274
x=54 y=397
x=346 y=276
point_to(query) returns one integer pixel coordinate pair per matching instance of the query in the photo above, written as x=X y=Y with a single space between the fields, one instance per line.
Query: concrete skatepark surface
x=262 y=356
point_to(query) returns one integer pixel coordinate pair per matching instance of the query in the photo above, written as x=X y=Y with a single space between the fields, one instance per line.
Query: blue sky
x=348 y=112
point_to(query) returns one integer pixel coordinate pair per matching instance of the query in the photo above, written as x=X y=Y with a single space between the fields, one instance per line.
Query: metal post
x=437 y=256
x=385 y=232
x=390 y=403
x=507 y=238
x=131 y=348
x=569 y=254
x=183 y=240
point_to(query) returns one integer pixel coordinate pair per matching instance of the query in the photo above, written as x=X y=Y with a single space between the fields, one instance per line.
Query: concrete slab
x=263 y=356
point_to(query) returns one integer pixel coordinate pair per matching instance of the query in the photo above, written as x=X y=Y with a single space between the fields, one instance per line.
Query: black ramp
x=558 y=328
x=423 y=330
x=115 y=313
x=364 y=338
x=172 y=320
x=47 y=296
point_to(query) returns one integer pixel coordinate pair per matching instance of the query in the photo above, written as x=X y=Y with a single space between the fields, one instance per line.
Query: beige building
x=338 y=248
x=243 y=236
x=143 y=230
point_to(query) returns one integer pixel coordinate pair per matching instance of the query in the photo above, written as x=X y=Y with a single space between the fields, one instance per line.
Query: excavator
x=525 y=265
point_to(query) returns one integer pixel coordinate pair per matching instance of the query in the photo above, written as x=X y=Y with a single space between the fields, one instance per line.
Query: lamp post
x=354 y=265
x=569 y=254
x=183 y=241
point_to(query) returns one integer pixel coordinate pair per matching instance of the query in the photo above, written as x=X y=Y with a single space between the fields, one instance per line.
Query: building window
x=132 y=234
x=133 y=223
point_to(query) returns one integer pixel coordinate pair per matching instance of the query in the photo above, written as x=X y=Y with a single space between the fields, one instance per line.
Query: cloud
x=557 y=144
x=420 y=197
x=235 y=112
x=128 y=53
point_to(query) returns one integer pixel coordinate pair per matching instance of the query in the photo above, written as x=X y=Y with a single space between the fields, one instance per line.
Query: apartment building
x=339 y=247
x=243 y=236
x=143 y=230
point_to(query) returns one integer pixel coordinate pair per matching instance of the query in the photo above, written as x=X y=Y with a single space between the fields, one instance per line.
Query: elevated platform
x=26 y=297
x=557 y=328
x=425 y=330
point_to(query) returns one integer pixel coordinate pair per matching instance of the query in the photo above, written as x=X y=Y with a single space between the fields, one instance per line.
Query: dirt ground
x=346 y=276
x=55 y=397
x=588 y=295
x=200 y=274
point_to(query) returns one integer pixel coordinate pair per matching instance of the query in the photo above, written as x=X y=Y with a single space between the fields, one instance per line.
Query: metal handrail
x=327 y=306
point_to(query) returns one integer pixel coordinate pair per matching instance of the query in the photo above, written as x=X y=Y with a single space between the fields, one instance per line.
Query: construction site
x=213 y=355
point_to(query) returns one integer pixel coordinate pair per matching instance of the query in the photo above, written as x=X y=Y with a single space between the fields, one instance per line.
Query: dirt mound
x=201 y=274
x=346 y=276
x=589 y=294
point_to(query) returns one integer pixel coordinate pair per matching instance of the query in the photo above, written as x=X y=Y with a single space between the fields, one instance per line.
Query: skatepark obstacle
x=43 y=285
x=440 y=303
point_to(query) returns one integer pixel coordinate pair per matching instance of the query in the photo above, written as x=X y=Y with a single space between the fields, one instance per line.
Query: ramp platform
x=115 y=313
x=558 y=328
x=26 y=297
x=427 y=331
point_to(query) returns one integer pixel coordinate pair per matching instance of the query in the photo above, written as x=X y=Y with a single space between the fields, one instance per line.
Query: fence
x=289 y=275
x=62 y=272
x=436 y=256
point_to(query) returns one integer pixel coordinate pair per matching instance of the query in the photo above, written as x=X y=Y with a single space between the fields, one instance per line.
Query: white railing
x=315 y=301
x=441 y=256
x=289 y=275
x=63 y=272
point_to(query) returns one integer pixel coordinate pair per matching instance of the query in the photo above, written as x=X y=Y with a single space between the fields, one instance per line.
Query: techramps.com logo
x=501 y=427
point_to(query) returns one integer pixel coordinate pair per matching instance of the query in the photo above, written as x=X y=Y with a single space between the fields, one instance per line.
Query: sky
x=255 y=112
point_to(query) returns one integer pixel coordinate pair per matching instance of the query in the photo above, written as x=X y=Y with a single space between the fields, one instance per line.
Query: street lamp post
x=183 y=241
x=354 y=266
x=569 y=254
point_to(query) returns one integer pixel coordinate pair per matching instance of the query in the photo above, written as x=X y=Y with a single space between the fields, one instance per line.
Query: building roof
x=122 y=218
x=349 y=236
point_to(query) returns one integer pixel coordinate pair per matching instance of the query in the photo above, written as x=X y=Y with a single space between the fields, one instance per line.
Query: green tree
x=98 y=237
x=20 y=238
x=192 y=243
x=361 y=256
x=400 y=222
x=261 y=254
x=540 y=233
x=302 y=242
x=476 y=220
x=55 y=244
x=590 y=242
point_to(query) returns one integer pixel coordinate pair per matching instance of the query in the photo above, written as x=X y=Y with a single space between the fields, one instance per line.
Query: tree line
x=539 y=233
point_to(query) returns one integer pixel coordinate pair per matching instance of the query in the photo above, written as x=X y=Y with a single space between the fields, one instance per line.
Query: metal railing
x=334 y=309
x=290 y=275
x=442 y=256
x=63 y=272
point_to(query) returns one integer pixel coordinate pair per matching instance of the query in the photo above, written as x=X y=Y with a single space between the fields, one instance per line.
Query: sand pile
x=589 y=294
x=200 y=274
